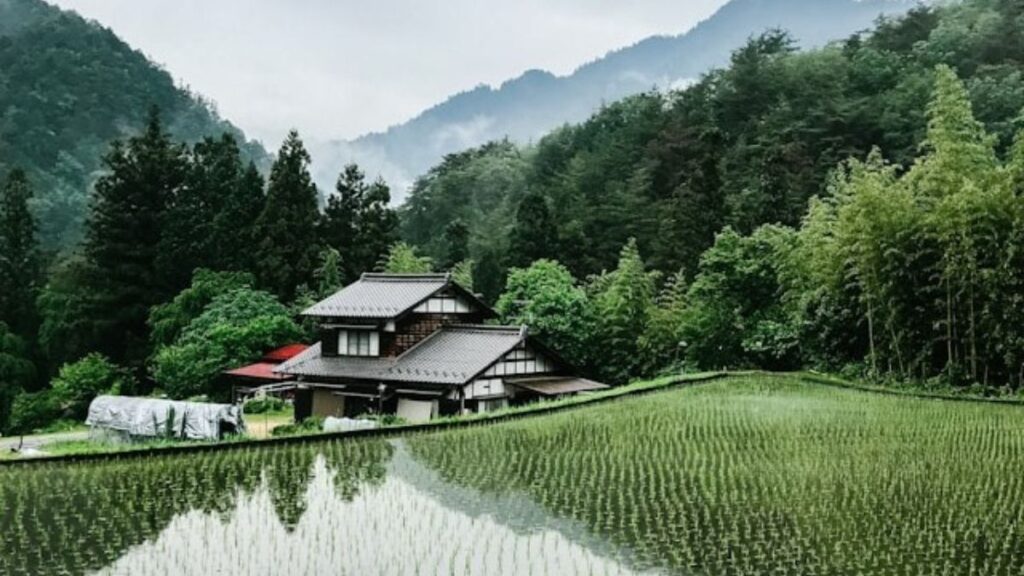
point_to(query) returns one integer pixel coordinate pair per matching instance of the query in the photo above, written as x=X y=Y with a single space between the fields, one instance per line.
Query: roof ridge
x=486 y=327
x=378 y=276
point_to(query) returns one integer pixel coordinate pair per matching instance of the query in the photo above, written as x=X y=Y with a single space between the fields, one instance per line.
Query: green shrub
x=80 y=382
x=384 y=419
x=310 y=425
x=32 y=411
x=264 y=405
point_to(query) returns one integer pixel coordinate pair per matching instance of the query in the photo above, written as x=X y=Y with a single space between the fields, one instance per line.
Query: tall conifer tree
x=288 y=247
x=358 y=221
x=19 y=255
x=533 y=235
x=124 y=238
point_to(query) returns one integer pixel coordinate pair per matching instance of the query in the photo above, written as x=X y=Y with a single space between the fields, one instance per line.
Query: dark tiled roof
x=452 y=355
x=379 y=296
x=556 y=385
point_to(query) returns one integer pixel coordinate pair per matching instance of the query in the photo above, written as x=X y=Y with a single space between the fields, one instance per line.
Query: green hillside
x=67 y=88
x=747 y=145
x=908 y=267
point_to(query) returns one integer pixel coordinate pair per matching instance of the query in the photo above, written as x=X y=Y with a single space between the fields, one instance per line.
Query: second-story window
x=358 y=343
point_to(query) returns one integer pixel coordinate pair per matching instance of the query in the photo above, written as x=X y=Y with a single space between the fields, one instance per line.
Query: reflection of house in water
x=415 y=345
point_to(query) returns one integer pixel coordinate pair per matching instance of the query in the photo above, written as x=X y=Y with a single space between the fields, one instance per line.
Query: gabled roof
x=385 y=296
x=451 y=356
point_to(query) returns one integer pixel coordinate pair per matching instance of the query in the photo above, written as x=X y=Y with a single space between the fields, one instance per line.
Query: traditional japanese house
x=417 y=346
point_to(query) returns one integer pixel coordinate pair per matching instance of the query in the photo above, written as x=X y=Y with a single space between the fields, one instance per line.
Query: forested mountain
x=527 y=107
x=747 y=145
x=858 y=207
x=67 y=88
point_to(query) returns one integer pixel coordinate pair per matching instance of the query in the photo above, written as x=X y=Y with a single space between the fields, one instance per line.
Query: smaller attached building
x=259 y=377
x=416 y=346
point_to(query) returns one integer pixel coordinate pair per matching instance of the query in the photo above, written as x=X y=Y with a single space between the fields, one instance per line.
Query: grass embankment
x=85 y=449
x=260 y=426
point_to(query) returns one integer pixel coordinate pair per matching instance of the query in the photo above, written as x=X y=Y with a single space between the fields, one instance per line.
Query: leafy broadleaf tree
x=168 y=320
x=548 y=299
x=235 y=328
x=734 y=314
x=288 y=244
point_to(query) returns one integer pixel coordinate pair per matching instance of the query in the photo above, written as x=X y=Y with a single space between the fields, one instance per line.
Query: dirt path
x=39 y=440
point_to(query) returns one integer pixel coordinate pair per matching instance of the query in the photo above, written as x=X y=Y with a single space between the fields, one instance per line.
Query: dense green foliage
x=167 y=321
x=765 y=475
x=71 y=86
x=403 y=259
x=907 y=266
x=235 y=328
x=358 y=223
x=125 y=243
x=79 y=383
x=747 y=145
x=165 y=215
x=17 y=373
x=928 y=263
x=287 y=227
x=545 y=297
x=20 y=270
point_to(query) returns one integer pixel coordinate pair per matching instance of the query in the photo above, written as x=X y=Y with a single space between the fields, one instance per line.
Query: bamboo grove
x=929 y=260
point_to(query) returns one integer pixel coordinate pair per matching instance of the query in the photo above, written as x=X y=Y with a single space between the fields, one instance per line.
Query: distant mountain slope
x=529 y=106
x=67 y=88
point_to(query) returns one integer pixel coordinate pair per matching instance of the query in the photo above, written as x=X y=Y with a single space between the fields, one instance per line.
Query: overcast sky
x=340 y=68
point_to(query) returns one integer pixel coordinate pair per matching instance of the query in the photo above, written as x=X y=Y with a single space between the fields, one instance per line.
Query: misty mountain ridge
x=527 y=107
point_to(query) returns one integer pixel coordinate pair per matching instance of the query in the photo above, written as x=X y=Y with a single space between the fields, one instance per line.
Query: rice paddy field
x=745 y=475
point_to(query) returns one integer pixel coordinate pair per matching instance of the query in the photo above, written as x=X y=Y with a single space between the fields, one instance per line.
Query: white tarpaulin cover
x=332 y=424
x=152 y=417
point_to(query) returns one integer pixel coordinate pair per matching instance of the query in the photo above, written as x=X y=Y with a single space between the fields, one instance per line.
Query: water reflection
x=338 y=508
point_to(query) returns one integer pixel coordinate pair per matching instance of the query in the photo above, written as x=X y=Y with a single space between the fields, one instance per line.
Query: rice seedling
x=743 y=476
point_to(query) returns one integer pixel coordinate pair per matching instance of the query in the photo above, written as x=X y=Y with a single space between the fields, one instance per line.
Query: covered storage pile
x=155 y=418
